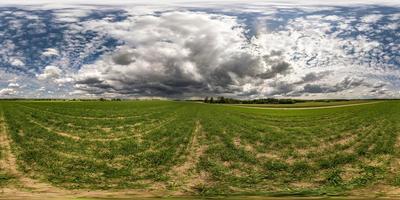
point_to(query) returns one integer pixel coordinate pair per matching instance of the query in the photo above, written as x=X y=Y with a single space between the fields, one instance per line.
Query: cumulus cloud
x=187 y=53
x=123 y=58
x=7 y=92
x=346 y=84
x=312 y=77
x=50 y=72
x=50 y=52
x=16 y=62
x=41 y=89
x=371 y=18
x=178 y=53
x=247 y=50
x=13 y=85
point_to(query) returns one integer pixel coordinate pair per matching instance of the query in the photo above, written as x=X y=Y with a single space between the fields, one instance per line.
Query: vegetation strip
x=199 y=149
x=307 y=108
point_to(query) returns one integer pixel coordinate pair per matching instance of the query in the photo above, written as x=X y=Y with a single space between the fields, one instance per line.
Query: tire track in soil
x=77 y=138
x=24 y=186
x=28 y=188
x=185 y=176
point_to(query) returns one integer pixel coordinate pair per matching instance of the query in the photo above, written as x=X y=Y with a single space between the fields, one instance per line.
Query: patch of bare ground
x=378 y=161
x=267 y=156
x=250 y=148
x=246 y=146
x=185 y=177
x=349 y=172
x=303 y=185
x=344 y=140
x=395 y=164
x=378 y=190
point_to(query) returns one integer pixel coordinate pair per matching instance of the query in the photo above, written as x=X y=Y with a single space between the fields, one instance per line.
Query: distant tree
x=221 y=99
x=211 y=100
x=206 y=100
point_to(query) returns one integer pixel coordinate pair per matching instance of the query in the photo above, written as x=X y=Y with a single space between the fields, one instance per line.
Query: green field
x=184 y=148
x=310 y=104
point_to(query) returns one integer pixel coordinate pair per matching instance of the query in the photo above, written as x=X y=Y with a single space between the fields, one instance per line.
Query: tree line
x=222 y=99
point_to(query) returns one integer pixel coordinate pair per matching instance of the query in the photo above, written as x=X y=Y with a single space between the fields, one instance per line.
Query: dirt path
x=185 y=176
x=306 y=108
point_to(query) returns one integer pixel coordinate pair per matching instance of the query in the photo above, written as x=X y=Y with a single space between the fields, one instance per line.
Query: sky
x=192 y=49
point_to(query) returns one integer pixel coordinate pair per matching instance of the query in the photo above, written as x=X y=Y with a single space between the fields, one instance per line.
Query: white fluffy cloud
x=194 y=53
x=371 y=18
x=50 y=52
x=13 y=85
x=249 y=50
x=7 y=92
x=50 y=72
x=16 y=62
x=178 y=53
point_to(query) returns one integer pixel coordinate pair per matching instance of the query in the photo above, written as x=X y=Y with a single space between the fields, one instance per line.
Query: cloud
x=17 y=62
x=50 y=72
x=71 y=14
x=186 y=53
x=64 y=3
x=41 y=89
x=346 y=84
x=178 y=54
x=7 y=92
x=282 y=88
x=278 y=66
x=123 y=58
x=371 y=18
x=246 y=50
x=50 y=52
x=13 y=85
x=312 y=77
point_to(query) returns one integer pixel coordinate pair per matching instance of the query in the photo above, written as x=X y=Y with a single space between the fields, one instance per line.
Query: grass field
x=311 y=104
x=183 y=148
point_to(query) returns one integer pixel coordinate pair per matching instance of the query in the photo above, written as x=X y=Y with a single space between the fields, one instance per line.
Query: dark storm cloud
x=279 y=68
x=313 y=76
x=315 y=88
x=181 y=54
x=123 y=58
x=283 y=88
x=345 y=84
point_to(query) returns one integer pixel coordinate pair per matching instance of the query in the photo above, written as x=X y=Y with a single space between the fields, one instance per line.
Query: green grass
x=311 y=104
x=236 y=150
x=5 y=177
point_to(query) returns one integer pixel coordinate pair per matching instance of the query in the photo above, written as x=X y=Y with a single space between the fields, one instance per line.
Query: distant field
x=308 y=104
x=183 y=148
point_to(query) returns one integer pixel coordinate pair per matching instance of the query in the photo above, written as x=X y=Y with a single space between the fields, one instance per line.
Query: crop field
x=185 y=148
x=315 y=104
